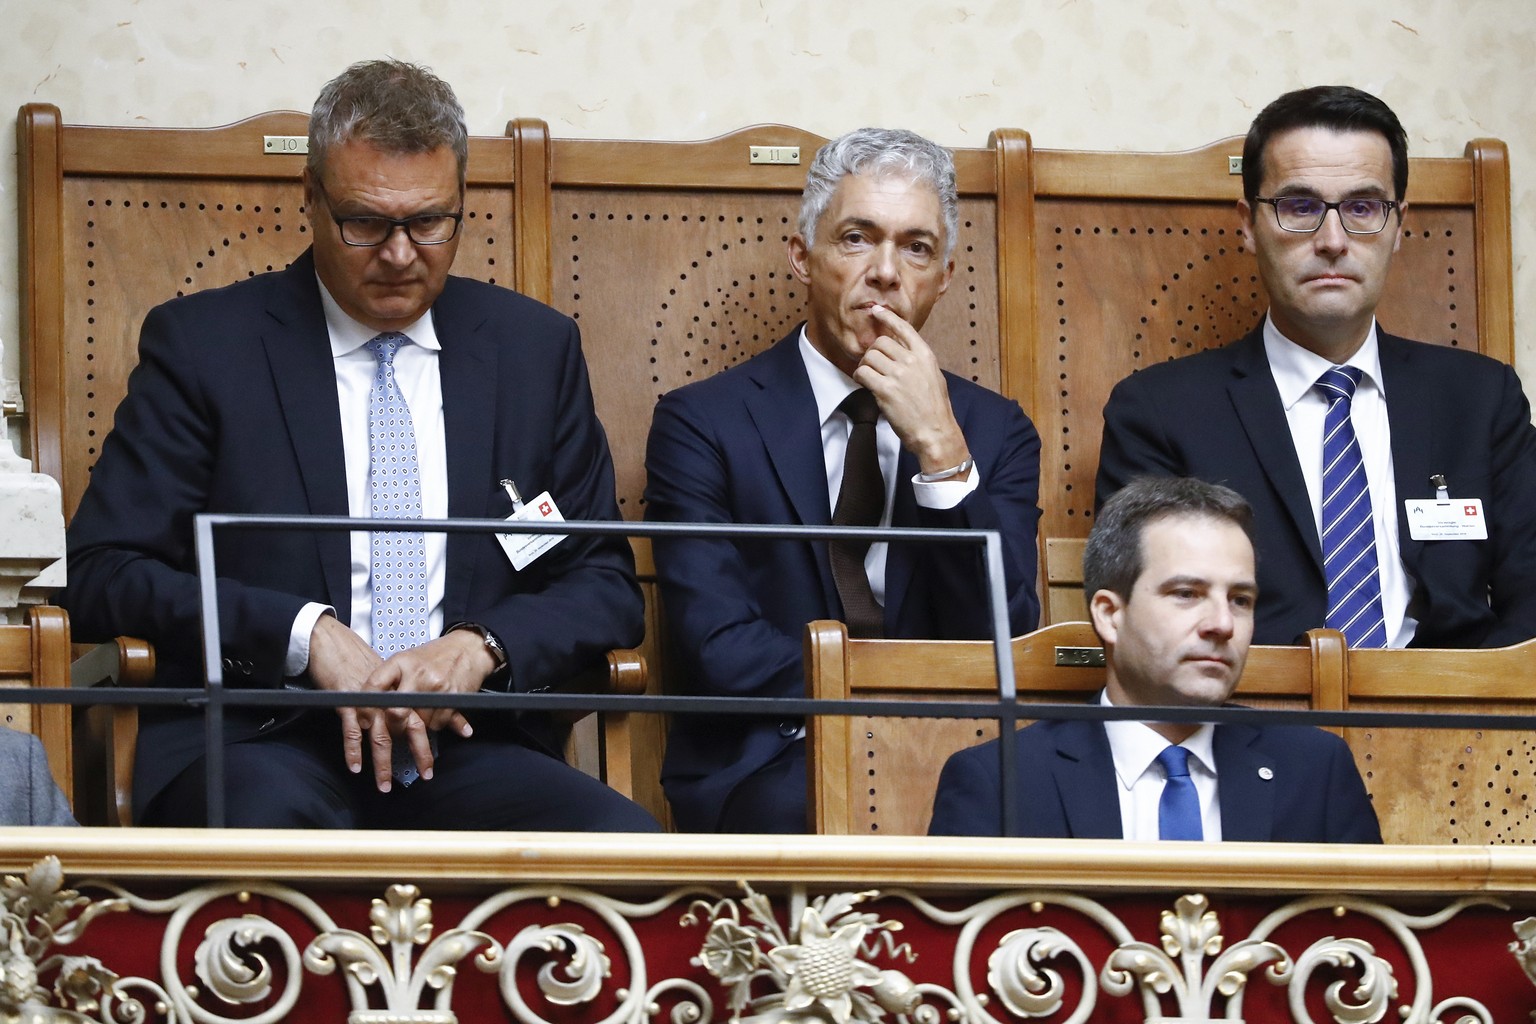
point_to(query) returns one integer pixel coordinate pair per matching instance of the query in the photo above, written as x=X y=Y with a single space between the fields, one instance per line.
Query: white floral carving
x=1370 y=999
x=1190 y=935
x=1014 y=970
x=400 y=921
x=1525 y=948
x=820 y=971
x=37 y=915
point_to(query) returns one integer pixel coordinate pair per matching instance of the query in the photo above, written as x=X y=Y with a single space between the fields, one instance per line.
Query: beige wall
x=1077 y=74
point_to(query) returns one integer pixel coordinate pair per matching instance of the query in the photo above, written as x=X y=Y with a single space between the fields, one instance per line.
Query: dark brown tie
x=860 y=501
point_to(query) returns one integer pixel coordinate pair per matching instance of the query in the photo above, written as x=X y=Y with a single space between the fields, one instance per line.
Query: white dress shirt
x=831 y=385
x=1296 y=370
x=421 y=387
x=1134 y=747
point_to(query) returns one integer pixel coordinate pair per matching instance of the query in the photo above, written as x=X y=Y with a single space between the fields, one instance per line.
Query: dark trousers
x=298 y=779
x=771 y=799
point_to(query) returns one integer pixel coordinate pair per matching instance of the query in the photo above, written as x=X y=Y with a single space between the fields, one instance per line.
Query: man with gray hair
x=848 y=420
x=362 y=380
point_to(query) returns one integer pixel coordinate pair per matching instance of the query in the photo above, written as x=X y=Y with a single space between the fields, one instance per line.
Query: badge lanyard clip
x=517 y=499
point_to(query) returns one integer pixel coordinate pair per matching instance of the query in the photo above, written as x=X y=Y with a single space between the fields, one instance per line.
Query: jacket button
x=789 y=728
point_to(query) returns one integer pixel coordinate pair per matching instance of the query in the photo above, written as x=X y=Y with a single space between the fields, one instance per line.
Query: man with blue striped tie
x=1170 y=572
x=1393 y=482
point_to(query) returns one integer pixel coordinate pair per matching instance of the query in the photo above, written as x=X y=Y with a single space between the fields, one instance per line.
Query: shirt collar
x=1135 y=746
x=828 y=384
x=347 y=335
x=1296 y=369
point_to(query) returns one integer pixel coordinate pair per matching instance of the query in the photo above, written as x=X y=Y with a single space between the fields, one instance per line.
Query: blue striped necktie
x=1349 y=530
x=1178 y=811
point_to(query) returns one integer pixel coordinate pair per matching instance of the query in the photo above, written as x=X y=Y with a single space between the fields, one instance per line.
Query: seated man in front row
x=848 y=420
x=362 y=380
x=1170 y=568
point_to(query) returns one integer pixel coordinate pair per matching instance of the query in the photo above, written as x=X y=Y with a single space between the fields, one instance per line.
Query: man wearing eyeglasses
x=363 y=380
x=1393 y=482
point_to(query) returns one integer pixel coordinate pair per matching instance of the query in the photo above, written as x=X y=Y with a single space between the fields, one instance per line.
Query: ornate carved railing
x=435 y=928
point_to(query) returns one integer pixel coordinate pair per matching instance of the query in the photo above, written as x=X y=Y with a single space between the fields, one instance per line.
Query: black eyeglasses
x=423 y=229
x=1304 y=214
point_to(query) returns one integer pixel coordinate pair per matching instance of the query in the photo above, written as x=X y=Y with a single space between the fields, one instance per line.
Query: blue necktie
x=1349 y=532
x=1178 y=812
x=399 y=559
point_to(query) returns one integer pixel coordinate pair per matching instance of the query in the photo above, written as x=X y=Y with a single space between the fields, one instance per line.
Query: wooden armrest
x=126 y=661
x=627 y=671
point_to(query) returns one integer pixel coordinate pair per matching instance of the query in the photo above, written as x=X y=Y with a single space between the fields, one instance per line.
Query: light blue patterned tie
x=1178 y=811
x=1349 y=531
x=399 y=559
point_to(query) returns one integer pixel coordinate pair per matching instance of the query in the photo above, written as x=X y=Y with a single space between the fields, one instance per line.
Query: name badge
x=1446 y=519
x=524 y=548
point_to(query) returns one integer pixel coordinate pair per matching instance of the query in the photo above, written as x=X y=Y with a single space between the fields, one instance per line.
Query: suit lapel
x=467 y=367
x=1257 y=404
x=1247 y=798
x=1084 y=773
x=299 y=354
x=1413 y=436
x=784 y=412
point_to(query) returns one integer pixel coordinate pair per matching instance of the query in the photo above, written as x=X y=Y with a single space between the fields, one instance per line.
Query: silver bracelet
x=945 y=474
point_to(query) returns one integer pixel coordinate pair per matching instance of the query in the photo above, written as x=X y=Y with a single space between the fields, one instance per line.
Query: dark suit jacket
x=1216 y=415
x=1067 y=788
x=233 y=408
x=744 y=446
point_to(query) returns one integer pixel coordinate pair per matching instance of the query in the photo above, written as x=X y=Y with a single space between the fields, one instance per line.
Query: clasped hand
x=339 y=660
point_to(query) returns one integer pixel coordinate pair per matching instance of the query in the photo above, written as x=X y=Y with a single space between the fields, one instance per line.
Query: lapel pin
x=1266 y=773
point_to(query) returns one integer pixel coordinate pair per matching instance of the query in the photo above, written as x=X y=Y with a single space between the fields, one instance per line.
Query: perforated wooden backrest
x=117 y=220
x=36 y=655
x=1456 y=786
x=878 y=775
x=1139 y=260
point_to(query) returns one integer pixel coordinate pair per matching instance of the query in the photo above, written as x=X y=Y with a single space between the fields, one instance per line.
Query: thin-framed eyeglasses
x=423 y=228
x=1305 y=214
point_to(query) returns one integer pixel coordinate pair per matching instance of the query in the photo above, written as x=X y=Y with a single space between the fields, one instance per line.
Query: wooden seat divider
x=36 y=655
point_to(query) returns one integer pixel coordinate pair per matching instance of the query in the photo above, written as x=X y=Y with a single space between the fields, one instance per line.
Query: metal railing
x=1003 y=706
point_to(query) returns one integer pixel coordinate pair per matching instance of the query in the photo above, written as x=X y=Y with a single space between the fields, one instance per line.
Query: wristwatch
x=498 y=652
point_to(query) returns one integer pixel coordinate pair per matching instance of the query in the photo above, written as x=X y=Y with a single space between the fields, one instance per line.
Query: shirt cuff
x=298 y=639
x=945 y=493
